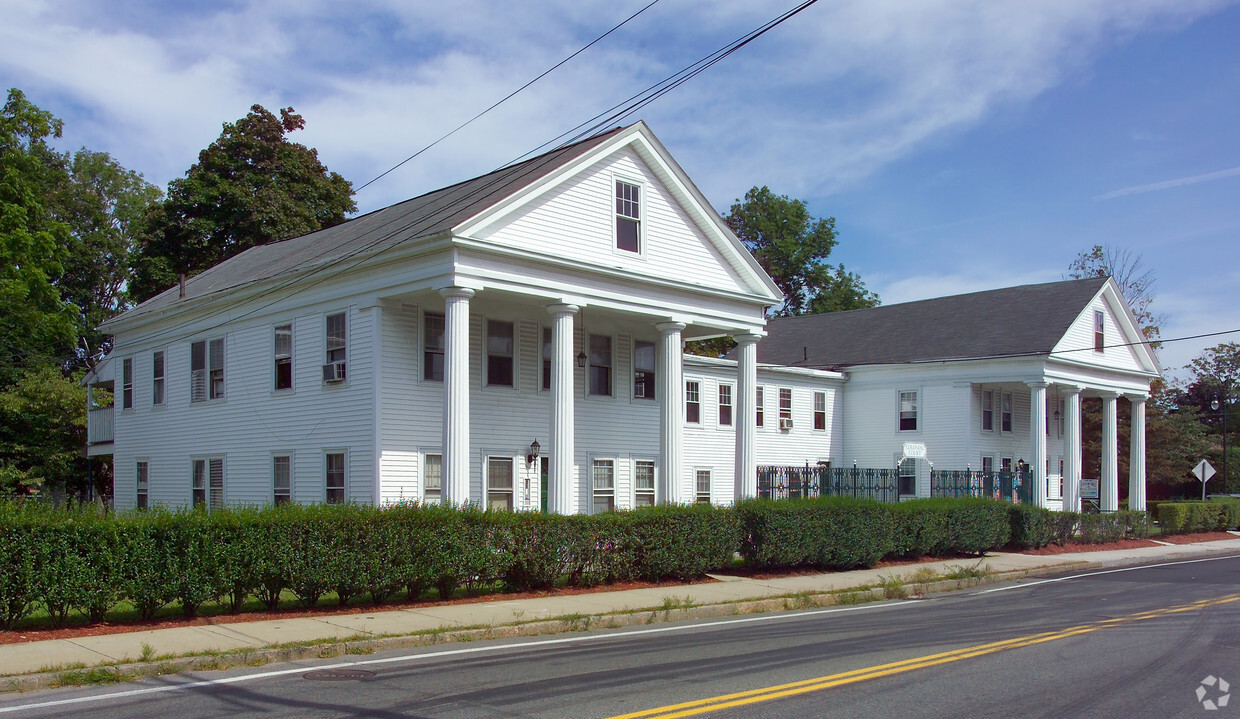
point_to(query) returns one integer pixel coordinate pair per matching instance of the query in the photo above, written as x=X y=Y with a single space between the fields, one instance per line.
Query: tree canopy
x=793 y=246
x=249 y=187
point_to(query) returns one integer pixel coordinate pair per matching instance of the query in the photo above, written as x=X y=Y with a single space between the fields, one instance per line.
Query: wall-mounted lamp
x=533 y=455
x=1057 y=415
x=581 y=359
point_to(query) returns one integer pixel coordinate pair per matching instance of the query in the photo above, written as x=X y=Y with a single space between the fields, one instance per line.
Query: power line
x=506 y=98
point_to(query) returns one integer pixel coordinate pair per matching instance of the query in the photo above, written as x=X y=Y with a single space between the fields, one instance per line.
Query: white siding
x=1078 y=342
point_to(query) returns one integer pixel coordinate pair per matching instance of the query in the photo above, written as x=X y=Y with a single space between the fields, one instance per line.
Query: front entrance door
x=544 y=471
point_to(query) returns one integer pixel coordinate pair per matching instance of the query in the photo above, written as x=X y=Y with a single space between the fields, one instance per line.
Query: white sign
x=1204 y=471
x=1089 y=488
x=915 y=450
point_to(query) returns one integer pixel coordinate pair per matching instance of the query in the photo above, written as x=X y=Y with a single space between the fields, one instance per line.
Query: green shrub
x=1233 y=511
x=1065 y=526
x=949 y=526
x=145 y=543
x=1193 y=516
x=674 y=542
x=828 y=533
x=1031 y=527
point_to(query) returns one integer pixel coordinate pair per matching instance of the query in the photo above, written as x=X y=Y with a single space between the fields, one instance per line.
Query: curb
x=132 y=671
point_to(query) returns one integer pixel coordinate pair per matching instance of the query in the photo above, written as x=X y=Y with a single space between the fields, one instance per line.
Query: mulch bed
x=1131 y=543
x=1194 y=538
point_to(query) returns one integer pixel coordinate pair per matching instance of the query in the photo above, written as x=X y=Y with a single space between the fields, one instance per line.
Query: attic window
x=628 y=217
x=1099 y=335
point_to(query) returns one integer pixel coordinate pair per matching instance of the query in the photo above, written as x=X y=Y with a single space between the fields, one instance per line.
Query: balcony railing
x=99 y=426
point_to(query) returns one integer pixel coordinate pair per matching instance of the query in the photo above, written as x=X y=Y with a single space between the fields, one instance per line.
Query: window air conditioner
x=785 y=423
x=333 y=372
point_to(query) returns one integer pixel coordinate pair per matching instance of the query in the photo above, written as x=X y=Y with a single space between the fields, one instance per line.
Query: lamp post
x=1214 y=405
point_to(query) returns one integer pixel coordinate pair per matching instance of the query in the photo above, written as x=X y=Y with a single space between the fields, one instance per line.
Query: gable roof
x=425 y=216
x=1008 y=322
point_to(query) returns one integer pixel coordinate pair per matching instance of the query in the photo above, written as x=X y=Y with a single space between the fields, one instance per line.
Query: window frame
x=645 y=377
x=618 y=217
x=759 y=407
x=608 y=492
x=546 y=348
x=900 y=411
x=489 y=489
x=901 y=476
x=820 y=413
x=208 y=488
x=725 y=388
x=159 y=378
x=430 y=351
x=785 y=408
x=609 y=367
x=328 y=487
x=638 y=491
x=988 y=410
x=1007 y=408
x=142 y=484
x=126 y=383
x=426 y=476
x=1100 y=324
x=700 y=496
x=213 y=387
x=488 y=357
x=693 y=399
x=279 y=497
x=279 y=360
x=341 y=349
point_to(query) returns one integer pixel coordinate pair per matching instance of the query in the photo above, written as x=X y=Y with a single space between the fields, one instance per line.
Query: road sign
x=1204 y=471
x=1089 y=488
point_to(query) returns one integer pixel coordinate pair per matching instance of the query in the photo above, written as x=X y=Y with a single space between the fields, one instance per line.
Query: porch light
x=581 y=359
x=533 y=455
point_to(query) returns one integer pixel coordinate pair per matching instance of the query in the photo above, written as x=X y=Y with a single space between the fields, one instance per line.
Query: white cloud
x=1168 y=184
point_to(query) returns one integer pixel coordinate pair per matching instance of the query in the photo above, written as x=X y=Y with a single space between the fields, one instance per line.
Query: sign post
x=1204 y=471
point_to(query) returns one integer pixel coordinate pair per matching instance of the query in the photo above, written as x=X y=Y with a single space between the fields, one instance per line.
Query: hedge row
x=89 y=561
x=1215 y=515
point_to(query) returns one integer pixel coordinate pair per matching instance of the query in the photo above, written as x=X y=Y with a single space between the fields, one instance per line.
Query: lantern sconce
x=533 y=455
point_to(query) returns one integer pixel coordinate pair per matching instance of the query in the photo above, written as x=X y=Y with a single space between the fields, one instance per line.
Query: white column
x=1037 y=440
x=671 y=392
x=456 y=395
x=1109 y=489
x=1136 y=459
x=1072 y=450
x=560 y=483
x=746 y=472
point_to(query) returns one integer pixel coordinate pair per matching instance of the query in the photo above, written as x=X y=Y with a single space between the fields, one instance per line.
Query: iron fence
x=1014 y=486
x=811 y=481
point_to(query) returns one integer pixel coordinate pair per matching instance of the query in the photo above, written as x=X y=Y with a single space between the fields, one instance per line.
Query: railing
x=99 y=426
x=1013 y=486
x=810 y=481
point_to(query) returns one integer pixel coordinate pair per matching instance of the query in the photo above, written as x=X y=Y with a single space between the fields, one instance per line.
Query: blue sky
x=960 y=145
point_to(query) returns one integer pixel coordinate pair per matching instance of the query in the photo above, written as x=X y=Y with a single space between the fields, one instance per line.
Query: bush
x=1193 y=516
x=827 y=533
x=1232 y=509
x=949 y=526
x=676 y=542
x=1031 y=527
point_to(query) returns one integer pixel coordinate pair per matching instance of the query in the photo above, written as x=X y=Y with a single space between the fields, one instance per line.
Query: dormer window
x=628 y=217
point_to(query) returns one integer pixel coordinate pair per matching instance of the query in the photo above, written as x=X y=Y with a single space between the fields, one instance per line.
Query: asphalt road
x=1133 y=643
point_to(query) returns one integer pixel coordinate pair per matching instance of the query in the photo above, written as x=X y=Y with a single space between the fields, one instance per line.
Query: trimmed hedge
x=1197 y=516
x=89 y=561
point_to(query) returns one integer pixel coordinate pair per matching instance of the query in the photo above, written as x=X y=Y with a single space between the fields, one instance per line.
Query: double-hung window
x=499 y=483
x=988 y=410
x=432 y=346
x=785 y=405
x=206 y=365
x=499 y=354
x=725 y=405
x=643 y=483
x=335 y=477
x=284 y=356
x=628 y=217
x=548 y=348
x=820 y=411
x=208 y=487
x=337 y=343
x=908 y=410
x=908 y=477
x=600 y=365
x=760 y=409
x=702 y=485
x=1005 y=412
x=643 y=370
x=432 y=485
x=693 y=402
x=604 y=476
x=127 y=383
x=1099 y=330
x=143 y=484
x=281 y=479
x=157 y=378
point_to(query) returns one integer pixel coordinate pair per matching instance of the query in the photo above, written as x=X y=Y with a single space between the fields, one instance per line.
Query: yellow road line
x=754 y=696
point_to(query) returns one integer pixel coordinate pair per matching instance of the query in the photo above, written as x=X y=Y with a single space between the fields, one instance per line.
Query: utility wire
x=506 y=98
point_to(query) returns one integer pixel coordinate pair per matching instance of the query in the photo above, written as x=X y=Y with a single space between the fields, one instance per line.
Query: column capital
x=744 y=338
x=456 y=292
x=1137 y=398
x=1109 y=395
x=563 y=308
x=1036 y=383
x=669 y=327
x=1069 y=390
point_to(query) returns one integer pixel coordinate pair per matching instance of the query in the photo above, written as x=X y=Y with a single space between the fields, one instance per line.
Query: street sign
x=1204 y=471
x=1089 y=489
x=915 y=450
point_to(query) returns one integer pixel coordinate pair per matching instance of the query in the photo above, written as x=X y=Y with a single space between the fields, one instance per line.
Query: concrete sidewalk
x=508 y=617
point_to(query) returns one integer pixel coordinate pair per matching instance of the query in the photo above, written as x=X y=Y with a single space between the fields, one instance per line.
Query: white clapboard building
x=516 y=341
